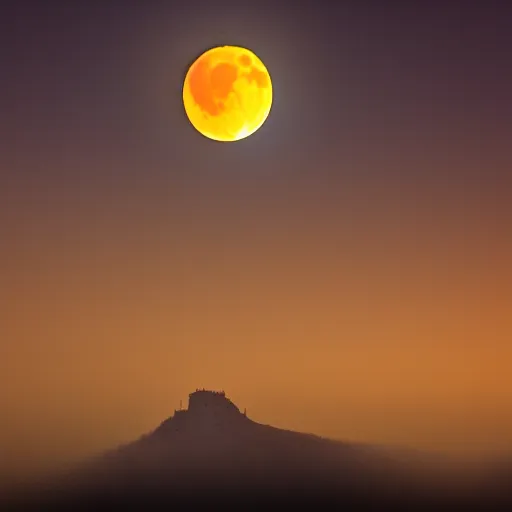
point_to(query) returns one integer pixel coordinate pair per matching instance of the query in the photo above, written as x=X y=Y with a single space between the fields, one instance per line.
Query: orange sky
x=396 y=332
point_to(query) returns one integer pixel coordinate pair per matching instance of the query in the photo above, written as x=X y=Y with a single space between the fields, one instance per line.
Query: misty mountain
x=212 y=449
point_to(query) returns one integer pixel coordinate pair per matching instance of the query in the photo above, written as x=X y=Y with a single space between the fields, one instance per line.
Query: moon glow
x=227 y=93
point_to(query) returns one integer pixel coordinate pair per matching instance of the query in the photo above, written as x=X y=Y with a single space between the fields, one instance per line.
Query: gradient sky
x=346 y=270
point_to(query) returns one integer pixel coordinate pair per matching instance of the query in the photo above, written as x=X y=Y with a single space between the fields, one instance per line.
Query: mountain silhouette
x=213 y=450
x=212 y=444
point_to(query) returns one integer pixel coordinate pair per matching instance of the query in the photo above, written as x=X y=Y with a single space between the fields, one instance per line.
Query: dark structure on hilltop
x=204 y=401
x=207 y=412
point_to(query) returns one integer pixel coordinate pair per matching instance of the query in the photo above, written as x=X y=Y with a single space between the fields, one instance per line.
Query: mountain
x=214 y=451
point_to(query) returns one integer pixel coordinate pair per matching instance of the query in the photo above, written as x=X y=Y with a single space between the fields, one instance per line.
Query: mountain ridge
x=213 y=449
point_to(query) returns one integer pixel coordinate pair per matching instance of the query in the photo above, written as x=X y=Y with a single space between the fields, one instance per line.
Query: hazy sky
x=346 y=270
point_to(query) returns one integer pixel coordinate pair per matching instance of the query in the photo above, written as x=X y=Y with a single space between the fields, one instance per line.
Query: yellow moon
x=227 y=93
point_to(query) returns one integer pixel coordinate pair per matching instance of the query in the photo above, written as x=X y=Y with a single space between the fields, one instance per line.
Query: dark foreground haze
x=213 y=452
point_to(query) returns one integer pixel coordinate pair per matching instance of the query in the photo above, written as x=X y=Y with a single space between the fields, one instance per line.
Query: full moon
x=227 y=93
